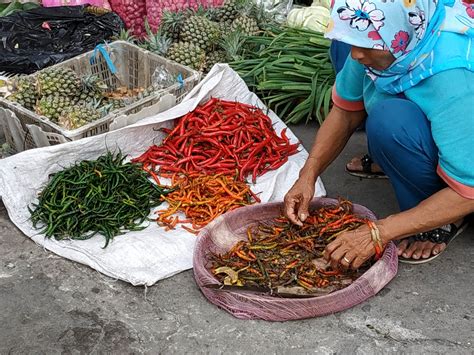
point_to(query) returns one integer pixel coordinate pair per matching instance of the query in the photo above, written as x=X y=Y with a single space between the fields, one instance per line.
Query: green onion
x=290 y=69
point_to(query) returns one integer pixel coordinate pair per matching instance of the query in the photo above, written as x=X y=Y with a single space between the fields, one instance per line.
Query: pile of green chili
x=106 y=196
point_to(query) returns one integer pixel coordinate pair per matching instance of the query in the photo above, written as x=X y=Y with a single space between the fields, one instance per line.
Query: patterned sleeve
x=348 y=91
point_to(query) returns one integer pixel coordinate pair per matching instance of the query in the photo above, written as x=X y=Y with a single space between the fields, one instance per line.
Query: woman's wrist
x=385 y=231
x=309 y=172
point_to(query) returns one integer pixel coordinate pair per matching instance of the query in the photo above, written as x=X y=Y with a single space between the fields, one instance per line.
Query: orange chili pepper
x=244 y=256
x=203 y=198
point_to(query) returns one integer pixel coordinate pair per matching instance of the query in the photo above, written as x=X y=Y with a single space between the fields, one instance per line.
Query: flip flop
x=366 y=173
x=438 y=235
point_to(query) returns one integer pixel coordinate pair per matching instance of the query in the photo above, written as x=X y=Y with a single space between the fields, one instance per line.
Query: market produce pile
x=209 y=154
x=202 y=198
x=68 y=99
x=290 y=69
x=206 y=158
x=105 y=196
x=288 y=66
x=221 y=137
x=278 y=256
x=206 y=36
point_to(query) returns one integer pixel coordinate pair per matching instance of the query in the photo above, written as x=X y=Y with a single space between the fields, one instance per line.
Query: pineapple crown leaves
x=200 y=11
x=125 y=35
x=157 y=42
x=93 y=83
x=233 y=43
x=172 y=20
x=243 y=5
x=263 y=17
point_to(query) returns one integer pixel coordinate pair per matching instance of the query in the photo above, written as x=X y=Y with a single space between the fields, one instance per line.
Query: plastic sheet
x=279 y=8
x=225 y=231
x=139 y=257
x=53 y=3
x=35 y=39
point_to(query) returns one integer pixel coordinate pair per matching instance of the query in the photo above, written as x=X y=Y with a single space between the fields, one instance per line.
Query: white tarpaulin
x=145 y=257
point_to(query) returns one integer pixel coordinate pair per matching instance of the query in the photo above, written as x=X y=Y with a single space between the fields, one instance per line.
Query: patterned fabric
x=425 y=36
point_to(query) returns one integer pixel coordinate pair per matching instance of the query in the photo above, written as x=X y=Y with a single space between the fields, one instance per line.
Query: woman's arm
x=444 y=207
x=330 y=141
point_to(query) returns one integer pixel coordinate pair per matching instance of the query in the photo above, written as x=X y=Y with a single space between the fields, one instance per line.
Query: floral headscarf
x=425 y=36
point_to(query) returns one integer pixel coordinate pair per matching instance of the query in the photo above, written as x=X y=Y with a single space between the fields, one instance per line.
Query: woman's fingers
x=346 y=260
x=331 y=248
x=291 y=205
x=297 y=202
x=303 y=208
x=335 y=252
x=358 y=262
x=350 y=249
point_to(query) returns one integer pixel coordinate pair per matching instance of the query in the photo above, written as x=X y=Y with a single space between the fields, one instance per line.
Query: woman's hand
x=351 y=249
x=297 y=200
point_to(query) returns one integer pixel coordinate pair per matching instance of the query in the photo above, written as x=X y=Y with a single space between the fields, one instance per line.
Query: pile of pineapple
x=64 y=97
x=199 y=39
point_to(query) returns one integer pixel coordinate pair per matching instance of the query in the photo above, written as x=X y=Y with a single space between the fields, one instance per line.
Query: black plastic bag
x=35 y=39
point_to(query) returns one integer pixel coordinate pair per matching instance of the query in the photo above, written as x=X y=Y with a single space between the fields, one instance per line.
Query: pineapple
x=172 y=23
x=158 y=42
x=263 y=17
x=115 y=104
x=93 y=89
x=58 y=81
x=24 y=92
x=219 y=56
x=77 y=116
x=228 y=11
x=245 y=24
x=187 y=54
x=225 y=27
x=51 y=106
x=200 y=31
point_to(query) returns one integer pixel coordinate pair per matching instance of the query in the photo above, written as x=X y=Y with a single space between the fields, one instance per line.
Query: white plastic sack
x=145 y=257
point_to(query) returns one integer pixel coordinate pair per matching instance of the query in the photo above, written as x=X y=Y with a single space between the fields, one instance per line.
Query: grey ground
x=50 y=305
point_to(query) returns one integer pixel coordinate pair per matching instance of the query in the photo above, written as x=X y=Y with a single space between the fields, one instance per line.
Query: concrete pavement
x=49 y=305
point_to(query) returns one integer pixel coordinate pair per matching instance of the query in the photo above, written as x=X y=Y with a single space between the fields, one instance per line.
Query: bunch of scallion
x=290 y=69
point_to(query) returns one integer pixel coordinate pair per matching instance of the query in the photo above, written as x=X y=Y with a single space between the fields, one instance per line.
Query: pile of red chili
x=221 y=137
x=281 y=254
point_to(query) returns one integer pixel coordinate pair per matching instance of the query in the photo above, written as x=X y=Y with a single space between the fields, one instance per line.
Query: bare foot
x=411 y=249
x=356 y=165
x=419 y=250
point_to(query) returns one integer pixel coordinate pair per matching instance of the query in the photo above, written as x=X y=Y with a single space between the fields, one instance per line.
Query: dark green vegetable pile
x=290 y=69
x=104 y=196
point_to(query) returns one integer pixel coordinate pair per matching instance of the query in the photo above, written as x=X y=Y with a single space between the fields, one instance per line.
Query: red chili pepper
x=278 y=164
x=221 y=136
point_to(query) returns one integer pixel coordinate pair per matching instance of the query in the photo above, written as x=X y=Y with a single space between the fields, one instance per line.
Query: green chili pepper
x=106 y=196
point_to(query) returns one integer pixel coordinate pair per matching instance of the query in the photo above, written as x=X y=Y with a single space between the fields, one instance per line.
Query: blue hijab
x=425 y=36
